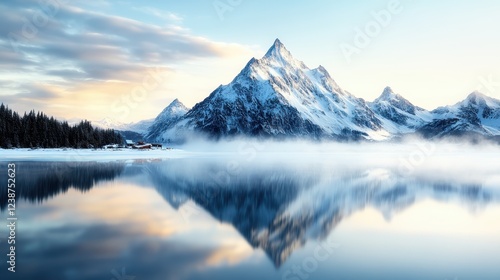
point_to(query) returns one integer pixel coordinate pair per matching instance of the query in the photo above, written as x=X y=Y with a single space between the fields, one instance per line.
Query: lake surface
x=228 y=218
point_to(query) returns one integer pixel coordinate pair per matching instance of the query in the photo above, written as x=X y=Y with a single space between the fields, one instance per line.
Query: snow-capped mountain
x=139 y=127
x=108 y=123
x=397 y=114
x=166 y=119
x=279 y=96
x=477 y=114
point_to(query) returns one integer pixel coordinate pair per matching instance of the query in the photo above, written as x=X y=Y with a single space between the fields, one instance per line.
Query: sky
x=125 y=60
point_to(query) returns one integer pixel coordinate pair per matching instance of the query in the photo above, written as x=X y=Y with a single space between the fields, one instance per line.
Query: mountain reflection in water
x=276 y=208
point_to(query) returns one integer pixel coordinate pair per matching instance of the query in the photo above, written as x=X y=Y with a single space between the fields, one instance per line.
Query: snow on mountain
x=139 y=127
x=166 y=119
x=148 y=128
x=108 y=123
x=477 y=114
x=279 y=96
x=397 y=114
x=73 y=121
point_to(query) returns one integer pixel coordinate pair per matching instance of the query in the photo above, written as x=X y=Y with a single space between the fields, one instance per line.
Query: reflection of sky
x=430 y=240
x=86 y=235
x=125 y=224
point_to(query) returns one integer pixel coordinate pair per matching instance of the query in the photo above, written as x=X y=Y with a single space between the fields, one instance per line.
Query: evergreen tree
x=38 y=130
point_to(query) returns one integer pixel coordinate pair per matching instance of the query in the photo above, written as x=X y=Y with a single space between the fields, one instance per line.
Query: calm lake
x=228 y=218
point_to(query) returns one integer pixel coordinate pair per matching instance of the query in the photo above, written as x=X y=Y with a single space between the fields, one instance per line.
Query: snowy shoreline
x=65 y=154
x=422 y=153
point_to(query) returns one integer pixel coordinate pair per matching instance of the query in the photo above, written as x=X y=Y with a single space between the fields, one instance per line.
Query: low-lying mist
x=443 y=159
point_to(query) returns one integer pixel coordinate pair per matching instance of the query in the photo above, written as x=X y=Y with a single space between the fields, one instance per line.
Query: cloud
x=33 y=94
x=93 y=251
x=167 y=16
x=230 y=254
x=70 y=47
x=41 y=91
x=88 y=40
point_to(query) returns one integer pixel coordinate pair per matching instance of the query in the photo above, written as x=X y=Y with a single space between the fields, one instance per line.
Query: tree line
x=37 y=130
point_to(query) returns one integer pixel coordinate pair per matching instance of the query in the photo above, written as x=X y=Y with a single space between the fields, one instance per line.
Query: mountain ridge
x=278 y=96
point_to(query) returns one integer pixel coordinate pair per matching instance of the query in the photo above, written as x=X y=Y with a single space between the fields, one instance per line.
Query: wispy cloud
x=167 y=16
x=31 y=93
x=69 y=47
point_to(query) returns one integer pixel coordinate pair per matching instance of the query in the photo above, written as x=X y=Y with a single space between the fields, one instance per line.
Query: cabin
x=142 y=146
x=156 y=145
x=129 y=143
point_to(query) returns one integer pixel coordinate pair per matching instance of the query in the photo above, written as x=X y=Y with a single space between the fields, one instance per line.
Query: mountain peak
x=174 y=109
x=176 y=102
x=388 y=91
x=278 y=55
x=322 y=69
x=476 y=95
x=278 y=50
x=278 y=45
x=277 y=42
x=387 y=95
x=478 y=98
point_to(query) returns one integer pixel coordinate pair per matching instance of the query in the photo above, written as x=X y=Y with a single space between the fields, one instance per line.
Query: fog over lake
x=271 y=210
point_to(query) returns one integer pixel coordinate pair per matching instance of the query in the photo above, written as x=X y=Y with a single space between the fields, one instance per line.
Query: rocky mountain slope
x=278 y=96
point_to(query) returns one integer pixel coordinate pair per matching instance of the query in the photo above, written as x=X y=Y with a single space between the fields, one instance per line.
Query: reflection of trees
x=275 y=208
x=37 y=181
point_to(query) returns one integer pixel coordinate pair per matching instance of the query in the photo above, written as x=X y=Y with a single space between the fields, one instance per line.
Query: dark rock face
x=279 y=97
x=438 y=127
x=250 y=117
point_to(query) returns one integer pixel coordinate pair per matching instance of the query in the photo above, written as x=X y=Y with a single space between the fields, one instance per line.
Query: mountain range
x=278 y=96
